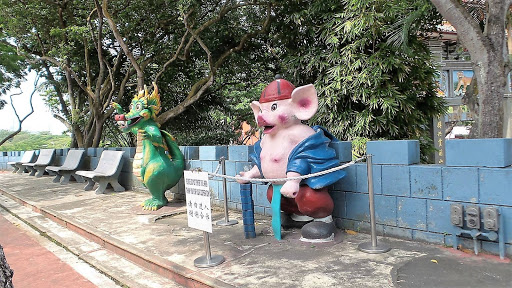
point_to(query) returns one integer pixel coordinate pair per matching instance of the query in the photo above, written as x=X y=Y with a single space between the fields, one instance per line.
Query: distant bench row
x=107 y=171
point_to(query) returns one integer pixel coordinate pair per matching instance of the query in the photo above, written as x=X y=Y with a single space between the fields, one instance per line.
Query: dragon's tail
x=174 y=151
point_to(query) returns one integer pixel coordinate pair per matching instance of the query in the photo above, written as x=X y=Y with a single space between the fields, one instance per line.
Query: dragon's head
x=142 y=108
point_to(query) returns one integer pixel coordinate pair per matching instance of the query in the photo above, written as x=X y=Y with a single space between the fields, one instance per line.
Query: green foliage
x=12 y=65
x=31 y=141
x=368 y=87
x=374 y=75
x=359 y=147
x=218 y=120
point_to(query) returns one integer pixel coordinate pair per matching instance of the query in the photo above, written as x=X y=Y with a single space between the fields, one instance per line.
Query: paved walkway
x=33 y=264
x=111 y=232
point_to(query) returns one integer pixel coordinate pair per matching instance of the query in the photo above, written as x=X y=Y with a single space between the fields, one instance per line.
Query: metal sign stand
x=226 y=221
x=199 y=213
x=208 y=260
x=372 y=247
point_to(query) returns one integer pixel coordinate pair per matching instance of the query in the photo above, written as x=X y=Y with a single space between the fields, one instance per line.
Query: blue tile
x=239 y=152
x=194 y=164
x=259 y=195
x=232 y=206
x=98 y=152
x=490 y=247
x=495 y=152
x=402 y=152
x=426 y=181
x=412 y=213
x=213 y=152
x=234 y=192
x=240 y=166
x=398 y=232
x=429 y=237
x=347 y=183
x=495 y=186
x=259 y=210
x=126 y=180
x=362 y=178
x=214 y=188
x=230 y=168
x=59 y=160
x=208 y=166
x=190 y=152
x=395 y=180
x=438 y=217
x=343 y=150
x=385 y=210
x=357 y=206
x=129 y=151
x=460 y=184
x=358 y=226
x=93 y=163
x=339 y=204
x=507 y=225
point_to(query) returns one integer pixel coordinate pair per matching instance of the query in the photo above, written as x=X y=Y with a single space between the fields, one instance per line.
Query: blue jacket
x=311 y=155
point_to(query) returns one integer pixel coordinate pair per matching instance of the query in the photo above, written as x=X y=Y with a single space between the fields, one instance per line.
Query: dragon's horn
x=154 y=100
x=145 y=91
x=155 y=88
x=139 y=95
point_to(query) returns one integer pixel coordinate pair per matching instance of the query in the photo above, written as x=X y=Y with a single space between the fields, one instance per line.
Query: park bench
x=107 y=172
x=28 y=157
x=68 y=168
x=45 y=158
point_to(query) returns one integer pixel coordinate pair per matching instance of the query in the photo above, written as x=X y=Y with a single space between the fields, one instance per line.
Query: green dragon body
x=158 y=161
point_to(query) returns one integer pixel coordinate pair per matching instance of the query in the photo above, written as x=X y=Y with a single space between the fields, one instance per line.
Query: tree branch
x=467 y=30
x=127 y=52
x=200 y=87
x=20 y=121
x=66 y=67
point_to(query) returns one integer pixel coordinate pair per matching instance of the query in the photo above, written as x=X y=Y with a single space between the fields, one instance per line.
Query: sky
x=40 y=120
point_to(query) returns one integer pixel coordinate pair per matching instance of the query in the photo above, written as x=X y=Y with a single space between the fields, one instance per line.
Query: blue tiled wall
x=412 y=201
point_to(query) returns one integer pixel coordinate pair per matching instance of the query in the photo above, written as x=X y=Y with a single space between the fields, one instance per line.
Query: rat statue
x=289 y=149
x=158 y=161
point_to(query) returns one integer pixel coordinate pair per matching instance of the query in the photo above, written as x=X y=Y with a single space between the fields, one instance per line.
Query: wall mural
x=461 y=81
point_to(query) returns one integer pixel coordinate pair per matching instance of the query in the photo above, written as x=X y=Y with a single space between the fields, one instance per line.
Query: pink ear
x=255 y=105
x=305 y=101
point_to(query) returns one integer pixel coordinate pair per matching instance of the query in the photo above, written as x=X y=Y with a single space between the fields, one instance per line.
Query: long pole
x=371 y=197
x=226 y=221
x=208 y=260
x=207 y=246
x=372 y=247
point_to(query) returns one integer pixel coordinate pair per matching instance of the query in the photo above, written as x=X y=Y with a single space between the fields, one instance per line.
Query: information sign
x=197 y=192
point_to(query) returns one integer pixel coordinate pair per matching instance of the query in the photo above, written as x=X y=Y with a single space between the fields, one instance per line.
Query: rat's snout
x=261 y=121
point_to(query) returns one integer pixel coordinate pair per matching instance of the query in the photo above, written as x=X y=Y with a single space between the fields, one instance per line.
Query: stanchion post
x=208 y=260
x=372 y=247
x=226 y=221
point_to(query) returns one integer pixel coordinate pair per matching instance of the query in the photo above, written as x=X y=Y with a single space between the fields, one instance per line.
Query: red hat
x=279 y=89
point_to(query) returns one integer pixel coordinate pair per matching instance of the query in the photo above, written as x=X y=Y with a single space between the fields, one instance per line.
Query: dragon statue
x=158 y=162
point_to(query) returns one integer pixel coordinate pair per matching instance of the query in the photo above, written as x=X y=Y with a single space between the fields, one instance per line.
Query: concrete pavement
x=140 y=248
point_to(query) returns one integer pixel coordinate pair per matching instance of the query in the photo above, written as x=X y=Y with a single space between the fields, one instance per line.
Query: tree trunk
x=491 y=86
x=6 y=272
x=487 y=50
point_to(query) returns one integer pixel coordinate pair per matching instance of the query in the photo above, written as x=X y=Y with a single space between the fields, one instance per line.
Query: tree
x=12 y=66
x=93 y=52
x=488 y=55
x=6 y=272
x=20 y=120
x=368 y=87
